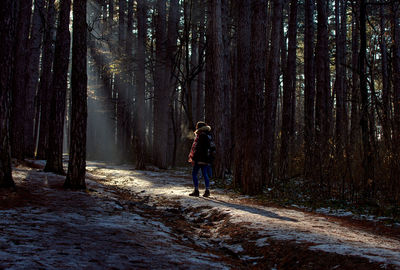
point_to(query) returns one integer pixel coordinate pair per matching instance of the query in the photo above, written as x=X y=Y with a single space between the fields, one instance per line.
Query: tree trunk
x=289 y=91
x=322 y=111
x=172 y=38
x=396 y=88
x=161 y=95
x=271 y=92
x=45 y=93
x=7 y=46
x=61 y=61
x=215 y=96
x=385 y=79
x=200 y=78
x=355 y=94
x=35 y=45
x=309 y=89
x=77 y=155
x=141 y=84
x=18 y=89
x=252 y=178
x=340 y=80
x=367 y=155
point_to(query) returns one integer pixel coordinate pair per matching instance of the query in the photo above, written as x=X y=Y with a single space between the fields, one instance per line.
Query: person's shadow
x=251 y=209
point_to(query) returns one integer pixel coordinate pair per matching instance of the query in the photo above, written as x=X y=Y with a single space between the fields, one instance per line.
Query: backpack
x=212 y=149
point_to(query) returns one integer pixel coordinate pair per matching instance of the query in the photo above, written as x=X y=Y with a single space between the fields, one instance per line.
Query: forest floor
x=129 y=219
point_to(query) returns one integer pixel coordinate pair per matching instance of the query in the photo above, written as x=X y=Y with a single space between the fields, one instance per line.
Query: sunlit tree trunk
x=61 y=61
x=161 y=93
x=18 y=90
x=289 y=90
x=141 y=84
x=77 y=154
x=45 y=93
x=271 y=92
x=309 y=89
x=7 y=46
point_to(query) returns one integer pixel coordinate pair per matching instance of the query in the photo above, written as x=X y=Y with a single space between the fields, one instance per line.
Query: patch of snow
x=262 y=242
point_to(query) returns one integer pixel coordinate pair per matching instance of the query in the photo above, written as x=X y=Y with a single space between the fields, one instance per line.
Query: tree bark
x=172 y=38
x=340 y=80
x=77 y=155
x=161 y=95
x=18 y=135
x=7 y=46
x=289 y=91
x=385 y=79
x=141 y=84
x=322 y=111
x=309 y=89
x=61 y=61
x=45 y=93
x=35 y=45
x=271 y=92
x=252 y=181
x=396 y=89
x=367 y=155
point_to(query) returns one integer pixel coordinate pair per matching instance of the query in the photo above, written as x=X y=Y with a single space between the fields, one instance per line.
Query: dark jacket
x=201 y=155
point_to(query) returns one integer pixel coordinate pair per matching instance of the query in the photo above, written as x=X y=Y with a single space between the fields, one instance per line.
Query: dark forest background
x=302 y=96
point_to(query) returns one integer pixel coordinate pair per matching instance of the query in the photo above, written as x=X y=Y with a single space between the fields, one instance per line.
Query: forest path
x=130 y=219
x=241 y=227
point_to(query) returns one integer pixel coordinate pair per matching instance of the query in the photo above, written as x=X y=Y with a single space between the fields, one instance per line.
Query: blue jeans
x=195 y=171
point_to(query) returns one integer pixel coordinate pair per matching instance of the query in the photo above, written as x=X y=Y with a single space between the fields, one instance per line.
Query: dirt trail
x=131 y=219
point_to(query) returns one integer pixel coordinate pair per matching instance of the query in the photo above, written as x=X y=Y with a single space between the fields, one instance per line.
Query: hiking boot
x=206 y=193
x=195 y=193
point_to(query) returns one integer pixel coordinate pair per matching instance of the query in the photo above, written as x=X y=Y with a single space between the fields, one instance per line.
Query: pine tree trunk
x=271 y=92
x=396 y=89
x=252 y=177
x=35 y=45
x=322 y=111
x=340 y=82
x=243 y=51
x=309 y=89
x=141 y=84
x=172 y=38
x=7 y=46
x=289 y=90
x=216 y=92
x=161 y=95
x=77 y=154
x=45 y=93
x=367 y=155
x=61 y=61
x=385 y=79
x=18 y=89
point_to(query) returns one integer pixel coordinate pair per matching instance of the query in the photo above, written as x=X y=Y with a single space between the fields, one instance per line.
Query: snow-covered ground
x=53 y=228
x=270 y=222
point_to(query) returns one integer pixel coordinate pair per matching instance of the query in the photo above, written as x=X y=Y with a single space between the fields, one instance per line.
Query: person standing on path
x=199 y=157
